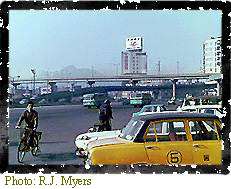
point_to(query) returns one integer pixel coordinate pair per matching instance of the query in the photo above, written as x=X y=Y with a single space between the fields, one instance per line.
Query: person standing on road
x=105 y=116
x=31 y=118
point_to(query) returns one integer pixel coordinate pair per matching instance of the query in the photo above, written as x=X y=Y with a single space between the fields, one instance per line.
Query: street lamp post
x=33 y=72
x=177 y=67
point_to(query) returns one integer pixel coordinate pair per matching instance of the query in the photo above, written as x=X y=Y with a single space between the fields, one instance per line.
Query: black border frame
x=225 y=7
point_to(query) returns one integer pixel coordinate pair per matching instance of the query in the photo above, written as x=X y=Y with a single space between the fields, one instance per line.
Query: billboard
x=134 y=43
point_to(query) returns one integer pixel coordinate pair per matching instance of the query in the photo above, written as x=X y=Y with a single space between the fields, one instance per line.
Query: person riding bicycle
x=31 y=118
x=105 y=116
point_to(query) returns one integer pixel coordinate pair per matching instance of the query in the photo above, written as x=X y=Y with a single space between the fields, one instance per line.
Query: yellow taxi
x=162 y=138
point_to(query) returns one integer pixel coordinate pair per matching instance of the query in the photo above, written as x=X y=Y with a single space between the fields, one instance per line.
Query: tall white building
x=212 y=55
x=134 y=60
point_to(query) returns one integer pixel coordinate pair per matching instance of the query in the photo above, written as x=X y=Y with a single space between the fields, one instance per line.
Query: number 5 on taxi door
x=162 y=138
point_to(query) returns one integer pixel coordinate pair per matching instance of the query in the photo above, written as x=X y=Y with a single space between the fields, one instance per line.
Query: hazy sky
x=51 y=40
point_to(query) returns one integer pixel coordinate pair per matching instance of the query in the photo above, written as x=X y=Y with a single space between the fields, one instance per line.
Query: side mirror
x=91 y=130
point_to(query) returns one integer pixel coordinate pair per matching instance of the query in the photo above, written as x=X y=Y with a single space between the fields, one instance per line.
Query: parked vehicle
x=23 y=101
x=172 y=101
x=162 y=138
x=140 y=99
x=148 y=109
x=45 y=90
x=210 y=105
x=94 y=100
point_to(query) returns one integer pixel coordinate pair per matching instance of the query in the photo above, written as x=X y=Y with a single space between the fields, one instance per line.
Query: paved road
x=60 y=125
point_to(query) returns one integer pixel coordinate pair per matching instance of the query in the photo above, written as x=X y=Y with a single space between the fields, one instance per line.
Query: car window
x=138 y=95
x=166 y=131
x=209 y=111
x=203 y=130
x=147 y=109
x=132 y=128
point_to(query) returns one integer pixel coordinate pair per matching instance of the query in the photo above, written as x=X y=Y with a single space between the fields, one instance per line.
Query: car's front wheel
x=80 y=153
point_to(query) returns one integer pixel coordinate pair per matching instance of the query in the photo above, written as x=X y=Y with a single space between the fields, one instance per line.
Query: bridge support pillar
x=90 y=83
x=134 y=82
x=189 y=81
x=159 y=95
x=72 y=87
x=174 y=88
x=218 y=86
x=53 y=86
x=15 y=85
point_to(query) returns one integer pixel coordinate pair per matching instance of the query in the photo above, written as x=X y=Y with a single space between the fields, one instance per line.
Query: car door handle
x=152 y=148
x=199 y=146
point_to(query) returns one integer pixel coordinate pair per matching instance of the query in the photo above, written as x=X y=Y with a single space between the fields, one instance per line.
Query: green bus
x=140 y=99
x=94 y=99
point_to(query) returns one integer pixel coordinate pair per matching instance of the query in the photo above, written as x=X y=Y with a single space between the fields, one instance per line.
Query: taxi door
x=207 y=152
x=164 y=153
x=207 y=146
x=161 y=149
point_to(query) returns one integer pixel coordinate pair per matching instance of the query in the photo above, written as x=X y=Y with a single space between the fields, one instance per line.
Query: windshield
x=136 y=95
x=131 y=129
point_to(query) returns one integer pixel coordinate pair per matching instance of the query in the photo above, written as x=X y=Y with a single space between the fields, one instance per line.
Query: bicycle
x=27 y=144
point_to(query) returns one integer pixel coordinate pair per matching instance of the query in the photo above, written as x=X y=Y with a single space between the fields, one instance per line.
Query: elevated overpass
x=134 y=79
x=182 y=89
x=118 y=78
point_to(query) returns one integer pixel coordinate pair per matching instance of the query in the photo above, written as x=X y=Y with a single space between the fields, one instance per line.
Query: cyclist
x=31 y=118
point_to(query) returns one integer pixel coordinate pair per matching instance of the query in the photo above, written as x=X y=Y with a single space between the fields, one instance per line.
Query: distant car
x=148 y=109
x=34 y=97
x=176 y=138
x=43 y=101
x=139 y=99
x=23 y=101
x=215 y=111
x=83 y=140
x=26 y=94
x=171 y=102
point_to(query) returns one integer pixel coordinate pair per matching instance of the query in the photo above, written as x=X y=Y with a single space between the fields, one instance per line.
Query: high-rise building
x=134 y=60
x=212 y=55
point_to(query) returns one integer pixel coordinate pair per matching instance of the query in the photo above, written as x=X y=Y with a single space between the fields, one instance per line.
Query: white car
x=23 y=101
x=83 y=140
x=149 y=109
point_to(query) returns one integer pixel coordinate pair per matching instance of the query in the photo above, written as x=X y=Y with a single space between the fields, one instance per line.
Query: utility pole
x=92 y=70
x=177 y=67
x=158 y=67
x=33 y=72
